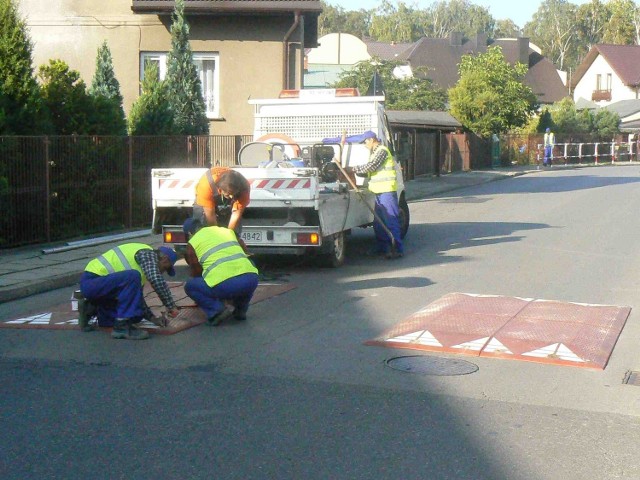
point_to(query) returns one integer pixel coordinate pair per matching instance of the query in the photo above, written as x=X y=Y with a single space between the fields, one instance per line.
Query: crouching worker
x=220 y=270
x=112 y=286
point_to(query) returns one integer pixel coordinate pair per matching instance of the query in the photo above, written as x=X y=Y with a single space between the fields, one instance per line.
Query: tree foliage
x=490 y=96
x=183 y=82
x=552 y=29
x=65 y=96
x=109 y=118
x=337 y=20
x=151 y=113
x=620 y=28
x=409 y=93
x=21 y=109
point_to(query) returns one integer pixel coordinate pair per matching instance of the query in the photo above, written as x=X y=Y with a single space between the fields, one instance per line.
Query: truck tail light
x=175 y=237
x=305 y=238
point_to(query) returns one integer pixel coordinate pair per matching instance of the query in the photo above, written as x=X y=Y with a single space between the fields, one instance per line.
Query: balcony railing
x=601 y=95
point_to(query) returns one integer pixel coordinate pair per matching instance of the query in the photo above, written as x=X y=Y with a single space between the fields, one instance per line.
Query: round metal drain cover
x=426 y=365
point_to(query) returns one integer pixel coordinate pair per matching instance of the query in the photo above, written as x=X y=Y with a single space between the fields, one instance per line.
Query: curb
x=65 y=280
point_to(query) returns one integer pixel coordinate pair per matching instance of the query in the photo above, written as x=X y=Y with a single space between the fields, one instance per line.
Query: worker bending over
x=221 y=272
x=112 y=286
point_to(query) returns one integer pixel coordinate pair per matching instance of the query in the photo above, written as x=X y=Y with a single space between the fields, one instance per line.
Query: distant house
x=608 y=74
x=439 y=56
x=242 y=49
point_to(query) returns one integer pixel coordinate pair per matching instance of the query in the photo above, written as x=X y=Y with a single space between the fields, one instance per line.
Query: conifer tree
x=108 y=118
x=183 y=82
x=22 y=109
x=151 y=113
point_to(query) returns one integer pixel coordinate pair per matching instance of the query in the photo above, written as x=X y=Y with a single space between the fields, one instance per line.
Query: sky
x=520 y=11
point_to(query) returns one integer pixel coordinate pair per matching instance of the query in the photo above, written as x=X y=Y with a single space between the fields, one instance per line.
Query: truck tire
x=333 y=250
x=404 y=216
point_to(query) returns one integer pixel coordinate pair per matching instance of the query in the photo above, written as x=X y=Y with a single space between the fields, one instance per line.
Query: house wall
x=338 y=49
x=250 y=49
x=587 y=83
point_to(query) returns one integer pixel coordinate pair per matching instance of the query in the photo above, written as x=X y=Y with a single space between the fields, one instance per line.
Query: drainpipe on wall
x=285 y=47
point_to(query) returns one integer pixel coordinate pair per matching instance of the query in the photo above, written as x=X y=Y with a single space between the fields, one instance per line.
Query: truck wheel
x=404 y=217
x=333 y=250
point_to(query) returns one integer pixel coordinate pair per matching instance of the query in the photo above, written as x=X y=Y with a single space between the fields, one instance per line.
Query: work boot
x=239 y=315
x=392 y=255
x=219 y=317
x=86 y=311
x=122 y=329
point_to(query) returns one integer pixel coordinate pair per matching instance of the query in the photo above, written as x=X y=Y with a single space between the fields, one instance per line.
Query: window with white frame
x=207 y=65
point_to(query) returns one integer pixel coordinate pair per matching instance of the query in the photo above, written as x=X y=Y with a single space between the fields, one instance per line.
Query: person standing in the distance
x=381 y=172
x=549 y=143
x=222 y=194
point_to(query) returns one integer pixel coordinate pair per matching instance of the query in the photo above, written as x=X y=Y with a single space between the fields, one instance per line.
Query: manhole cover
x=426 y=365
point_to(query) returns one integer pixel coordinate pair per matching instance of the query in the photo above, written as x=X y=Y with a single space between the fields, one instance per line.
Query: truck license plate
x=251 y=236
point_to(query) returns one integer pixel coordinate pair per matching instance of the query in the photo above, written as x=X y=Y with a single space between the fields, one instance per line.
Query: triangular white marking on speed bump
x=42 y=318
x=556 y=350
x=473 y=344
x=423 y=337
x=495 y=346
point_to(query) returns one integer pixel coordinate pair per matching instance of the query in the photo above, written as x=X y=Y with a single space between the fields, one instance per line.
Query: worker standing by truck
x=381 y=173
x=222 y=194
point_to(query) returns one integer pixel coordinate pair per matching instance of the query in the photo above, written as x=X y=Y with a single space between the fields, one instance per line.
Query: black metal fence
x=64 y=187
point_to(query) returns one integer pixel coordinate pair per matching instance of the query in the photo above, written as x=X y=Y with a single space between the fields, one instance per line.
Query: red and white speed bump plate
x=63 y=317
x=544 y=331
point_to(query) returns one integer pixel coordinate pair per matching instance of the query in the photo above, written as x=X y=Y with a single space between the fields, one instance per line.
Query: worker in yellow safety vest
x=221 y=272
x=549 y=143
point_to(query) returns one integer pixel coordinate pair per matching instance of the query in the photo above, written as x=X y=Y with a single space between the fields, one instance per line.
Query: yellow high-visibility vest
x=118 y=259
x=384 y=179
x=220 y=255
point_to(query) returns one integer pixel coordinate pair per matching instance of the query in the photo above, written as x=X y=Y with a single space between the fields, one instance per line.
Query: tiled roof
x=423 y=119
x=387 y=51
x=623 y=59
x=221 y=6
x=441 y=56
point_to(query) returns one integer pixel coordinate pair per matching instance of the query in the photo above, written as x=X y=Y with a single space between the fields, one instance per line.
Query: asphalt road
x=293 y=392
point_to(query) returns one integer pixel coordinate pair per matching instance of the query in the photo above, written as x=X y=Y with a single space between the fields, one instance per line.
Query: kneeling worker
x=221 y=271
x=112 y=286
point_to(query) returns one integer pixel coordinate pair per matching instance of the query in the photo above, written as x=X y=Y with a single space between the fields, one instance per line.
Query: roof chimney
x=481 y=42
x=523 y=50
x=455 y=39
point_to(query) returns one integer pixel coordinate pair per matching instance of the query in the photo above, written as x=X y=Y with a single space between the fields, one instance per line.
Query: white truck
x=300 y=203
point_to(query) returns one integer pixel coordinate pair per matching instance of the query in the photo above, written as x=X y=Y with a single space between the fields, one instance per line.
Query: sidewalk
x=29 y=270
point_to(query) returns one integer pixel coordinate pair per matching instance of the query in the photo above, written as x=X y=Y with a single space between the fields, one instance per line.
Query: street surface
x=294 y=394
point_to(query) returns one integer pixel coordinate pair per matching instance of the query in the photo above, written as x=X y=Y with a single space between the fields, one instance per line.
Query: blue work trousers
x=548 y=154
x=388 y=211
x=117 y=295
x=237 y=290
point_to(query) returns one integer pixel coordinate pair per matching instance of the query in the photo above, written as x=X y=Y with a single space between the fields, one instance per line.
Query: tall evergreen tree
x=151 y=113
x=183 y=82
x=109 y=118
x=22 y=109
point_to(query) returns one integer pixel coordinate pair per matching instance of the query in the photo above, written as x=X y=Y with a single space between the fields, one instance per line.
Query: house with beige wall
x=243 y=49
